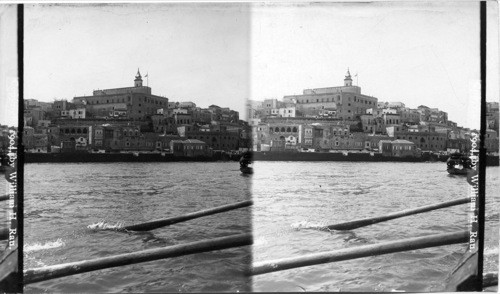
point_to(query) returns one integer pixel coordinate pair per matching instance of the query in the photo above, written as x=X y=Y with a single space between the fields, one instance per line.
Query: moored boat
x=246 y=170
x=458 y=164
x=246 y=160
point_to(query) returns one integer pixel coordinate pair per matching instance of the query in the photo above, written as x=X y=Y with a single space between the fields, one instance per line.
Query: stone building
x=347 y=100
x=426 y=141
x=137 y=102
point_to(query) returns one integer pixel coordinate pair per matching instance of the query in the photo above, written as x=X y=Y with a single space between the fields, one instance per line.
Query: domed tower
x=347 y=79
x=138 y=79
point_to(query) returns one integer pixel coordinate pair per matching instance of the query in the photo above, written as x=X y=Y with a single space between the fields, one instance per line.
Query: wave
x=308 y=225
x=490 y=251
x=103 y=225
x=39 y=246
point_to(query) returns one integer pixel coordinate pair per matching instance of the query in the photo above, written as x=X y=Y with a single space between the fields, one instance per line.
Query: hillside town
x=342 y=119
x=332 y=119
x=131 y=119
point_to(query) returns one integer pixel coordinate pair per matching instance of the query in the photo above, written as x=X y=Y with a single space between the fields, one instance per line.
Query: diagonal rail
x=359 y=252
x=177 y=219
x=73 y=268
x=373 y=220
x=4 y=197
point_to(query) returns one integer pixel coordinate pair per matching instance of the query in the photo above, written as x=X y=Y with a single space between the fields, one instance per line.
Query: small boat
x=245 y=160
x=246 y=170
x=458 y=164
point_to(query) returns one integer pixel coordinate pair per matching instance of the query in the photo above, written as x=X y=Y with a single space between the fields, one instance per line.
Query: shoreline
x=257 y=156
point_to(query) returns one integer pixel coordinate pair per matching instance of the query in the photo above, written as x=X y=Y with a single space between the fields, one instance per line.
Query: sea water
x=293 y=201
x=73 y=213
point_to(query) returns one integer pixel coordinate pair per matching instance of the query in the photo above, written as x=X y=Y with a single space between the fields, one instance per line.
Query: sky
x=9 y=89
x=190 y=52
x=416 y=53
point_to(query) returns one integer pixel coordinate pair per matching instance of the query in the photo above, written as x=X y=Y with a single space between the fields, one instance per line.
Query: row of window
x=190 y=147
x=150 y=100
x=214 y=139
x=107 y=100
x=130 y=133
x=338 y=99
x=283 y=130
x=122 y=100
x=422 y=140
x=73 y=131
x=403 y=147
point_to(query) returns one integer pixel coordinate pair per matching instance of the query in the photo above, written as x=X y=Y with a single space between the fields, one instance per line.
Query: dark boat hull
x=459 y=172
x=246 y=170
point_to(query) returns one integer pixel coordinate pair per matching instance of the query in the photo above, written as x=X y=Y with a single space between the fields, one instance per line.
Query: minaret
x=138 y=79
x=348 y=80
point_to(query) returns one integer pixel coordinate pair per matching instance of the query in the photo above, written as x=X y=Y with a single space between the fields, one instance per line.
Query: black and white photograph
x=364 y=118
x=9 y=101
x=331 y=146
x=134 y=129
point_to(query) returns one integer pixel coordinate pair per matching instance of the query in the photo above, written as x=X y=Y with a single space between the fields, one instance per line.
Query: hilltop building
x=345 y=102
x=136 y=103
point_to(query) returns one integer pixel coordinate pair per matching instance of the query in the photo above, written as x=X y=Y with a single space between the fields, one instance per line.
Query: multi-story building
x=189 y=148
x=426 y=141
x=217 y=140
x=33 y=115
x=137 y=102
x=397 y=148
x=347 y=100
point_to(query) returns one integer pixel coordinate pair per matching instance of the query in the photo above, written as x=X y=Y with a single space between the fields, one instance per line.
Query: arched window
x=78 y=131
x=282 y=129
x=277 y=129
x=72 y=131
x=422 y=140
x=294 y=129
x=288 y=130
